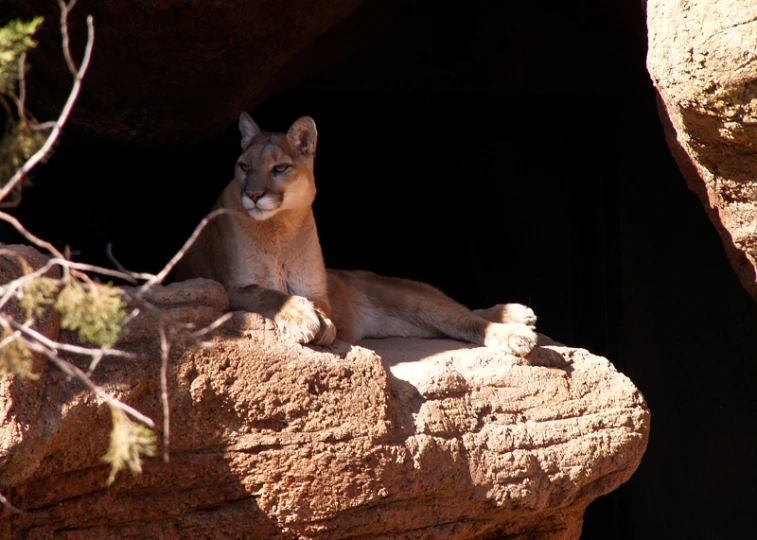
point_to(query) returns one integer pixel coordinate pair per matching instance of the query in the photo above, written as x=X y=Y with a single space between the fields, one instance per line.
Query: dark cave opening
x=501 y=153
x=447 y=198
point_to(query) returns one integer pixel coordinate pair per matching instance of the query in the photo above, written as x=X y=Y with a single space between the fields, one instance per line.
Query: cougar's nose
x=255 y=195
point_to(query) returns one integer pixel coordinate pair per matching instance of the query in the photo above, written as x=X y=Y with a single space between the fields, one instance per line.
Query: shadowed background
x=501 y=153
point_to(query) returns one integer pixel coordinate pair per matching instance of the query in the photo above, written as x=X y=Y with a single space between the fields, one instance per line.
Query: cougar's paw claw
x=514 y=338
x=298 y=320
x=327 y=332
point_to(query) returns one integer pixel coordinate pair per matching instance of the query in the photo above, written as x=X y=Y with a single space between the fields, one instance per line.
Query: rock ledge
x=399 y=438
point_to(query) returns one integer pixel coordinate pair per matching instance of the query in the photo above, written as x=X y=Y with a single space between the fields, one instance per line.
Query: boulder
x=393 y=439
x=703 y=62
x=197 y=302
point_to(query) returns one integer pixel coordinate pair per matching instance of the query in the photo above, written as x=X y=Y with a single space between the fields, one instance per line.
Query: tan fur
x=269 y=259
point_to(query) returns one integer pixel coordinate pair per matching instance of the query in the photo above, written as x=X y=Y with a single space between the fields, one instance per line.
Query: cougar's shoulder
x=269 y=200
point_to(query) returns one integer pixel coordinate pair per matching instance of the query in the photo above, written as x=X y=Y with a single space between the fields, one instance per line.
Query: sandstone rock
x=167 y=71
x=703 y=61
x=393 y=439
x=29 y=394
x=196 y=301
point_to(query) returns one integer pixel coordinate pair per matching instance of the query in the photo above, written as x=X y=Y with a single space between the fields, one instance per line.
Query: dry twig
x=21 y=102
x=160 y=276
x=5 y=502
x=40 y=154
x=165 y=349
x=73 y=273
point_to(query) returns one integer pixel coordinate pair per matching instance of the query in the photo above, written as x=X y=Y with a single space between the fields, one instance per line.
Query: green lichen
x=128 y=442
x=96 y=312
x=20 y=140
x=15 y=357
x=39 y=294
x=15 y=39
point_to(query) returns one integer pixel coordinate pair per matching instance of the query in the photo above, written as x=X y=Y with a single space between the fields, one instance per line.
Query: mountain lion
x=269 y=259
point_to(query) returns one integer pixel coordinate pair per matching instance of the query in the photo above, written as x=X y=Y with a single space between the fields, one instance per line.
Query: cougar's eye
x=243 y=166
x=278 y=169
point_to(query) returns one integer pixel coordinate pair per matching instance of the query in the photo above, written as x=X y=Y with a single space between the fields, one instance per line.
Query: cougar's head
x=275 y=170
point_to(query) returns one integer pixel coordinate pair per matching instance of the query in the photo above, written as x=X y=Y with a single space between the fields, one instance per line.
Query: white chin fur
x=267 y=204
x=258 y=214
x=264 y=208
x=264 y=203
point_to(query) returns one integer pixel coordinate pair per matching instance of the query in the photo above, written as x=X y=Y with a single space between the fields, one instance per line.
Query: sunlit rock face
x=396 y=438
x=703 y=62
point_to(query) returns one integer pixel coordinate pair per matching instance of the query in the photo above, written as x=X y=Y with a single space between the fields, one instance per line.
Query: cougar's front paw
x=514 y=338
x=518 y=313
x=298 y=319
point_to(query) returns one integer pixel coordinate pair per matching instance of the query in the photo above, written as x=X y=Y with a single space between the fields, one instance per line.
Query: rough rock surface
x=393 y=439
x=169 y=71
x=199 y=304
x=703 y=61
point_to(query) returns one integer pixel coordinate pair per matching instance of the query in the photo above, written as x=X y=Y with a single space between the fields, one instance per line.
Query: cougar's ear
x=303 y=135
x=248 y=128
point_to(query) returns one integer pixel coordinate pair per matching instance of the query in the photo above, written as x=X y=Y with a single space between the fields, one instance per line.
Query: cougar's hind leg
x=394 y=307
x=362 y=307
x=344 y=307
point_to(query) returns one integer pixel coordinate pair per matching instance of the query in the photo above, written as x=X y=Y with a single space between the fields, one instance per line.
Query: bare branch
x=188 y=244
x=14 y=203
x=142 y=304
x=7 y=107
x=220 y=321
x=73 y=273
x=29 y=236
x=37 y=342
x=131 y=316
x=73 y=371
x=183 y=329
x=64 y=10
x=31 y=333
x=64 y=263
x=10 y=337
x=5 y=502
x=98 y=270
x=134 y=275
x=40 y=154
x=95 y=362
x=61 y=259
x=10 y=289
x=42 y=126
x=165 y=348
x=20 y=103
